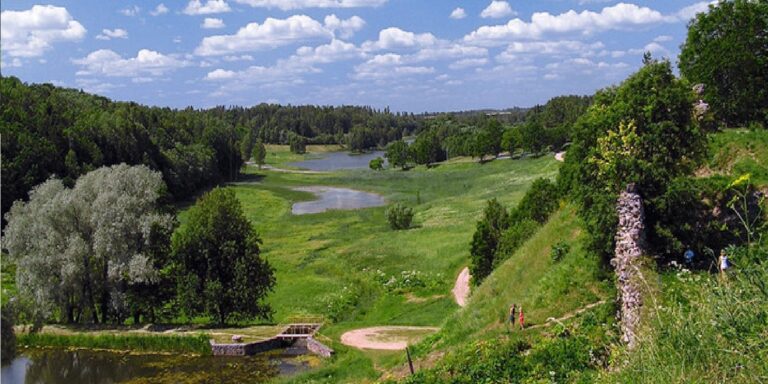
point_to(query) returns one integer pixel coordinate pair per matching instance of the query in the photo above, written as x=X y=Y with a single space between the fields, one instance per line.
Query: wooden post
x=410 y=362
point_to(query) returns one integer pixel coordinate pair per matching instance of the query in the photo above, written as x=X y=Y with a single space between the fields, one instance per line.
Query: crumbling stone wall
x=630 y=247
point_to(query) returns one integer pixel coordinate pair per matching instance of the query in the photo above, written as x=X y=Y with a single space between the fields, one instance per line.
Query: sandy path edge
x=461 y=288
x=364 y=338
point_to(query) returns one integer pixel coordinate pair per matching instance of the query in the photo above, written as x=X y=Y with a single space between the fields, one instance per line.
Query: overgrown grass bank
x=198 y=345
x=704 y=330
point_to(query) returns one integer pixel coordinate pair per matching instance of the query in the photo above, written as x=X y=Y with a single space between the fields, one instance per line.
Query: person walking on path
x=522 y=318
x=512 y=313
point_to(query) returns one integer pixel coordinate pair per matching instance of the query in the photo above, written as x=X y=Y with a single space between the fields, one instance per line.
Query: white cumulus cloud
x=619 y=16
x=458 y=14
x=161 y=9
x=117 y=33
x=346 y=28
x=212 y=23
x=393 y=38
x=131 y=11
x=271 y=34
x=286 y=5
x=196 y=7
x=497 y=9
x=105 y=62
x=32 y=32
x=389 y=65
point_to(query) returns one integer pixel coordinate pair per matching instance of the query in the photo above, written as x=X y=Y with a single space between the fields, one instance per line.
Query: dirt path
x=461 y=288
x=392 y=338
x=567 y=315
x=560 y=156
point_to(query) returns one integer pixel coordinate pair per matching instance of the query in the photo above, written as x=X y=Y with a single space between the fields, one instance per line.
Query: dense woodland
x=52 y=131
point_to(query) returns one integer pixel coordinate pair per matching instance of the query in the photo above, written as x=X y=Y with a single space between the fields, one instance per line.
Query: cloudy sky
x=410 y=55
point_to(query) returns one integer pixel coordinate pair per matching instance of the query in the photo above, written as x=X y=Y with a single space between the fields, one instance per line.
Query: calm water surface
x=54 y=366
x=338 y=160
x=335 y=198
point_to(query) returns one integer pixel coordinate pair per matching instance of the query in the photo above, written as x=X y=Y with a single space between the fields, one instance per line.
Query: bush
x=376 y=164
x=514 y=237
x=538 y=203
x=559 y=251
x=697 y=214
x=399 y=217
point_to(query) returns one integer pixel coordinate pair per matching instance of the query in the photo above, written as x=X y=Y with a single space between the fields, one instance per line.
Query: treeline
x=541 y=128
x=51 y=131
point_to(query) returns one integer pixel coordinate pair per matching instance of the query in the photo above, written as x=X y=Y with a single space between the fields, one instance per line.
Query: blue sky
x=409 y=55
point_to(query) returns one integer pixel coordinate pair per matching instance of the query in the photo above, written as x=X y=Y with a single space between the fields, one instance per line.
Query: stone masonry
x=630 y=246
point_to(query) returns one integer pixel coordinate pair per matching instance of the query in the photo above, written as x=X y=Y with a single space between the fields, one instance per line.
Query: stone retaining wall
x=247 y=349
x=318 y=348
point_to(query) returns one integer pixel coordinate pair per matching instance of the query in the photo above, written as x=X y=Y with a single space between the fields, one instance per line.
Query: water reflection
x=52 y=366
x=335 y=198
x=338 y=160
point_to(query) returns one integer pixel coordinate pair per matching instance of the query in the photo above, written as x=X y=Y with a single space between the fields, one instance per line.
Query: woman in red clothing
x=522 y=318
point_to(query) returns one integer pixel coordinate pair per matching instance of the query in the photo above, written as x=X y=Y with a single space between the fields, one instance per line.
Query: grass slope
x=739 y=151
x=532 y=279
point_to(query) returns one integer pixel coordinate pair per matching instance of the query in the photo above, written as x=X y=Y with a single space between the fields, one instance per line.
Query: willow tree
x=85 y=250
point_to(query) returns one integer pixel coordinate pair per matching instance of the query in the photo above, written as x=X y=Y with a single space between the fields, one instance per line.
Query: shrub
x=399 y=217
x=376 y=164
x=514 y=237
x=539 y=202
x=559 y=251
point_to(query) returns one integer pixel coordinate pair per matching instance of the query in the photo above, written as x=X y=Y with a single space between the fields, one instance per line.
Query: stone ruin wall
x=630 y=247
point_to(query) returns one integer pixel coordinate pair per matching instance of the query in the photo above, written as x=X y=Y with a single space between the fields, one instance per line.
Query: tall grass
x=183 y=344
x=704 y=330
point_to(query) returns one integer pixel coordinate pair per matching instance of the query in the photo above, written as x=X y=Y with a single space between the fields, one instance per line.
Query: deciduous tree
x=219 y=269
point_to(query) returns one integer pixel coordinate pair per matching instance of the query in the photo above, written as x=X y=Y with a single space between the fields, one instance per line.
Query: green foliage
x=407 y=281
x=563 y=357
x=182 y=344
x=727 y=50
x=399 y=216
x=704 y=330
x=541 y=199
x=376 y=164
x=737 y=152
x=559 y=251
x=514 y=237
x=485 y=241
x=639 y=132
x=298 y=144
x=96 y=250
x=50 y=131
x=218 y=268
x=259 y=153
x=697 y=214
x=398 y=154
x=426 y=148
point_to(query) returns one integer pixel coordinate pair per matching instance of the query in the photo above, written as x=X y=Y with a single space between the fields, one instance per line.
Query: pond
x=52 y=366
x=335 y=198
x=333 y=161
